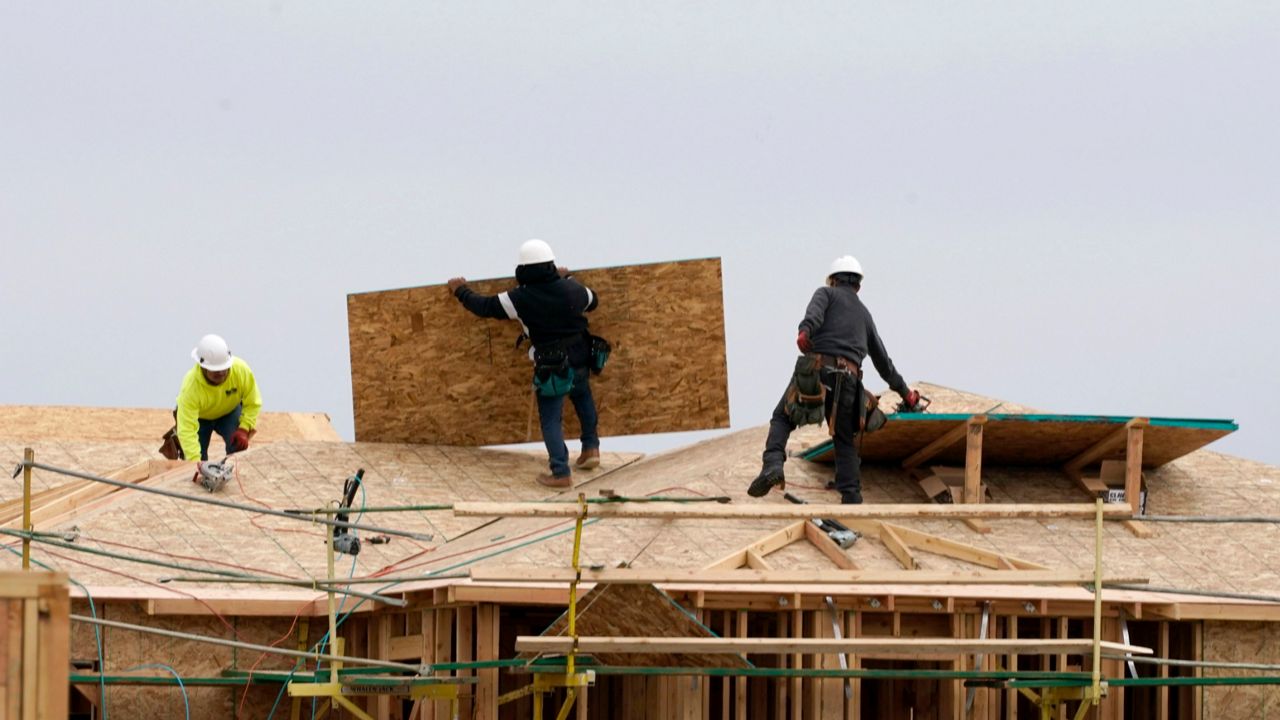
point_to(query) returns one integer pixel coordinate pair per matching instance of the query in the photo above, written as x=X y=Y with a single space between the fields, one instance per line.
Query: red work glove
x=802 y=341
x=911 y=400
x=240 y=440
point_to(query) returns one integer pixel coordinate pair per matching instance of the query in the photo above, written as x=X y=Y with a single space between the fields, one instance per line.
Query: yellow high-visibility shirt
x=198 y=400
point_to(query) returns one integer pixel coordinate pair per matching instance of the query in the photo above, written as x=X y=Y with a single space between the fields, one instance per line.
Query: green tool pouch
x=806 y=396
x=552 y=376
x=600 y=349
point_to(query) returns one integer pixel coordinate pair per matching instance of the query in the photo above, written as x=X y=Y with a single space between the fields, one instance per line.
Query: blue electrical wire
x=97 y=632
x=186 y=702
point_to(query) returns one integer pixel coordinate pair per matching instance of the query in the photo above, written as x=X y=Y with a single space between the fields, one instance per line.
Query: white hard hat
x=846 y=264
x=535 y=251
x=211 y=353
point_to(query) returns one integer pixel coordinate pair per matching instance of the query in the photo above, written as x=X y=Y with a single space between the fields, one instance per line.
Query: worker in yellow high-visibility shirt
x=219 y=394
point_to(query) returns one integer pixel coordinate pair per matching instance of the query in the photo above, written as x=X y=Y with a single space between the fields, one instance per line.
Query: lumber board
x=814 y=646
x=1030 y=440
x=425 y=370
x=788 y=511
x=492 y=573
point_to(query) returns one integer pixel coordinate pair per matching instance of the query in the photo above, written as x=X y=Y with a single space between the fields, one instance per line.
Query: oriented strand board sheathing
x=304 y=476
x=141 y=425
x=1241 y=642
x=1029 y=439
x=425 y=370
x=639 y=611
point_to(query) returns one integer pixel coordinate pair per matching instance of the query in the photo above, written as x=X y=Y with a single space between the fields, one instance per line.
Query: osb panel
x=639 y=611
x=1018 y=441
x=300 y=475
x=425 y=370
x=126 y=649
x=1241 y=642
x=140 y=425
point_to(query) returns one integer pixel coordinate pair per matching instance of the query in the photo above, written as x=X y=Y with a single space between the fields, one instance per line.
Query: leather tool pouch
x=169 y=445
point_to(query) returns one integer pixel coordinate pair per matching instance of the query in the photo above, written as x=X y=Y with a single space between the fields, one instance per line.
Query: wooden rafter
x=1104 y=446
x=950 y=438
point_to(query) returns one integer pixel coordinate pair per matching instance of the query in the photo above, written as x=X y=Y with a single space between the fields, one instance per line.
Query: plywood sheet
x=1032 y=439
x=143 y=425
x=643 y=611
x=424 y=370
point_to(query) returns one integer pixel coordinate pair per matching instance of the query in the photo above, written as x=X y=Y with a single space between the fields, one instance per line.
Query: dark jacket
x=550 y=308
x=839 y=324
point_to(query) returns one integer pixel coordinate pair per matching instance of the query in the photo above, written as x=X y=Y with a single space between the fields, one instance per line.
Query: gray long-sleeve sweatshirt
x=839 y=324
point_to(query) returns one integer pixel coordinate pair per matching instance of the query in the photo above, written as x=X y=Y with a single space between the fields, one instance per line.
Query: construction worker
x=837 y=328
x=219 y=394
x=551 y=307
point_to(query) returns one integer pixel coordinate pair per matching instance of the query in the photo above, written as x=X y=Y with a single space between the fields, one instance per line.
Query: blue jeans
x=224 y=426
x=550 y=411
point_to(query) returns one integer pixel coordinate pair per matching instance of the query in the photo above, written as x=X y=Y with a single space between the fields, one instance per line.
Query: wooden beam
x=788 y=511
x=763 y=546
x=487 y=649
x=973 y=460
x=828 y=547
x=405 y=647
x=959 y=551
x=817 y=646
x=897 y=547
x=1133 y=468
x=756 y=561
x=931 y=450
x=1103 y=447
x=648 y=576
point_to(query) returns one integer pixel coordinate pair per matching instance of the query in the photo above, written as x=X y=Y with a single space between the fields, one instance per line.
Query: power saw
x=213 y=475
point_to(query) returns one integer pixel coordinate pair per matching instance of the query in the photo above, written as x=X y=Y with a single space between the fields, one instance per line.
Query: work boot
x=555 y=481
x=853 y=497
x=765 y=481
x=589 y=459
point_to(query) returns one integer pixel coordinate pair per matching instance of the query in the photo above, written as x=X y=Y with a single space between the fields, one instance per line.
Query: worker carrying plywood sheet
x=551 y=307
x=837 y=332
x=219 y=394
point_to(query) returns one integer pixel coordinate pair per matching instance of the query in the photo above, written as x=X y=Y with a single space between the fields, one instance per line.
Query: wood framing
x=862 y=645
x=641 y=576
x=788 y=511
x=425 y=370
x=35 y=645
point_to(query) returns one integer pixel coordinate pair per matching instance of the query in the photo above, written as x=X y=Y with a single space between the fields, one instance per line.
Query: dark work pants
x=224 y=426
x=550 y=413
x=848 y=464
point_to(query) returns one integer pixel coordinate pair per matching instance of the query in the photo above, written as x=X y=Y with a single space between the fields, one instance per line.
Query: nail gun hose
x=230 y=505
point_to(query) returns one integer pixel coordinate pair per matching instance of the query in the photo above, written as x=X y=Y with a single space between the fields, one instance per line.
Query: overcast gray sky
x=1068 y=205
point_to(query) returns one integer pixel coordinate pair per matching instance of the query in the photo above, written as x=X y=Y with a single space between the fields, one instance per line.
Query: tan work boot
x=555 y=481
x=588 y=460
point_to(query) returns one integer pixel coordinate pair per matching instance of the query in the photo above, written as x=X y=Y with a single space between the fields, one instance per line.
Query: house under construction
x=1007 y=563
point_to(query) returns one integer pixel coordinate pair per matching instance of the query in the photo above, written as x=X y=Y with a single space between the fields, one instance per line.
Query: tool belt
x=552 y=372
x=839 y=363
